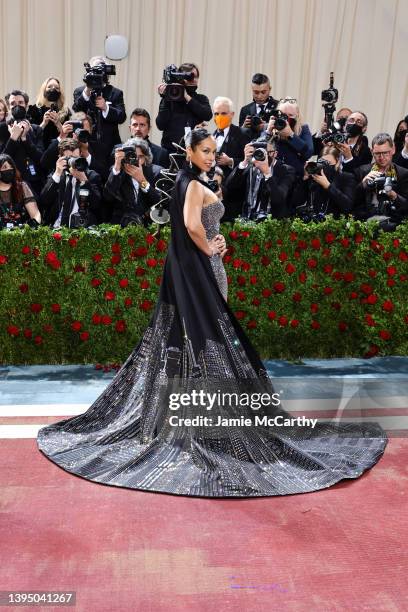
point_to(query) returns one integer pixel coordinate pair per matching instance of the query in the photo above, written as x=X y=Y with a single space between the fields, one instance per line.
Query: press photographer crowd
x=62 y=166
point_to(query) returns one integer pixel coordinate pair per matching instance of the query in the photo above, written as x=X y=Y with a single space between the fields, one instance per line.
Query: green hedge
x=299 y=290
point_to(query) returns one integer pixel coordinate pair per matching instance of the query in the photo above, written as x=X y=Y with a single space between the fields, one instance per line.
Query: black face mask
x=7 y=176
x=190 y=89
x=353 y=129
x=52 y=95
x=292 y=122
x=400 y=137
x=19 y=112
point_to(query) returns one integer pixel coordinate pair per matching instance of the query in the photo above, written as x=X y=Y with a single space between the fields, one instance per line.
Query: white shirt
x=221 y=138
x=57 y=179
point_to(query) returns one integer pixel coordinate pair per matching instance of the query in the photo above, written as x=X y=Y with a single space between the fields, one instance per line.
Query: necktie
x=261 y=108
x=219 y=133
x=66 y=208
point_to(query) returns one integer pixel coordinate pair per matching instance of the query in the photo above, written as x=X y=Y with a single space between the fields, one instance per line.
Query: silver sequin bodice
x=210 y=217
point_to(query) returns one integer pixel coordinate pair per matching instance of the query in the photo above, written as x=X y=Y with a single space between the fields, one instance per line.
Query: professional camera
x=82 y=135
x=81 y=218
x=174 y=80
x=77 y=163
x=281 y=119
x=381 y=183
x=260 y=153
x=76 y=125
x=329 y=98
x=335 y=134
x=307 y=213
x=315 y=167
x=96 y=76
x=130 y=156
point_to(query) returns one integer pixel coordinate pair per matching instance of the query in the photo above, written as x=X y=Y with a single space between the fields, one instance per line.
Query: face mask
x=329 y=169
x=18 y=112
x=353 y=129
x=222 y=121
x=292 y=122
x=7 y=176
x=52 y=95
x=401 y=136
x=190 y=89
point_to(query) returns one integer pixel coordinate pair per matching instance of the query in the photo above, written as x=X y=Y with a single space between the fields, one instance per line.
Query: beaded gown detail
x=126 y=438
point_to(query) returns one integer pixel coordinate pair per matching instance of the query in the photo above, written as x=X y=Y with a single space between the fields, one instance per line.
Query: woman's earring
x=190 y=163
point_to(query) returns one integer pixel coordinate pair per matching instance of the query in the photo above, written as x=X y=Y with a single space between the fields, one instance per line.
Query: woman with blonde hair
x=49 y=111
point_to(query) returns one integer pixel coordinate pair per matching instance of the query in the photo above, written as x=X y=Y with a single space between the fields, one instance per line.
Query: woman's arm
x=193 y=205
x=30 y=204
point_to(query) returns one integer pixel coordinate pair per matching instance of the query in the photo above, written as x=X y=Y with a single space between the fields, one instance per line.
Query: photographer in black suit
x=71 y=196
x=355 y=151
x=382 y=190
x=266 y=183
x=139 y=128
x=103 y=102
x=254 y=117
x=189 y=111
x=324 y=189
x=130 y=186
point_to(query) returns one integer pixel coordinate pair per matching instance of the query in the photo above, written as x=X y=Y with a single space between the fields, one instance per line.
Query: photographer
x=253 y=117
x=25 y=141
x=71 y=197
x=399 y=137
x=341 y=118
x=187 y=111
x=265 y=181
x=139 y=128
x=103 y=102
x=229 y=138
x=355 y=151
x=49 y=111
x=382 y=191
x=401 y=158
x=130 y=186
x=324 y=189
x=295 y=144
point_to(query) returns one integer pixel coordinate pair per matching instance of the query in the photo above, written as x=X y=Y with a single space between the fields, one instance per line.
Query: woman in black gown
x=133 y=436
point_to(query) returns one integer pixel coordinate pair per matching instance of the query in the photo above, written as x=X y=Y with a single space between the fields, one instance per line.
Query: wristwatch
x=144 y=185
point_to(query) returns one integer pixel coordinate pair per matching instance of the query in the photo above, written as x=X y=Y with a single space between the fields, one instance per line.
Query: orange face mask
x=222 y=121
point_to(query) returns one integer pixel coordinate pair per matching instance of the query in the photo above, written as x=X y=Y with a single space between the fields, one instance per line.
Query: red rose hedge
x=299 y=290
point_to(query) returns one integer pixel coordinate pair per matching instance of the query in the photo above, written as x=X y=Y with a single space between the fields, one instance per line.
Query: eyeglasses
x=289 y=99
x=382 y=153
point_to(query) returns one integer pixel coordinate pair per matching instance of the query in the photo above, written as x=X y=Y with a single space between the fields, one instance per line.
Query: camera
x=335 y=134
x=174 y=80
x=329 y=98
x=95 y=77
x=54 y=107
x=130 y=156
x=76 y=125
x=281 y=119
x=82 y=135
x=315 y=167
x=260 y=153
x=307 y=213
x=81 y=218
x=77 y=163
x=382 y=183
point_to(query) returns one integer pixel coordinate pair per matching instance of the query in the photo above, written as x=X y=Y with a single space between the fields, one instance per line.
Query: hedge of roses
x=299 y=290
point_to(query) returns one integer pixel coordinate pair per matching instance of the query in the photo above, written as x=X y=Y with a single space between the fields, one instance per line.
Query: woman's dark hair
x=17 y=193
x=396 y=135
x=194 y=137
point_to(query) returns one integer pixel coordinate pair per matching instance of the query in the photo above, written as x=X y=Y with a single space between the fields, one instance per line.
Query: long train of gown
x=193 y=341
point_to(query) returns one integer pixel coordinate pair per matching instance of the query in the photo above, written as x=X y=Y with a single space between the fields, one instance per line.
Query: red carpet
x=343 y=548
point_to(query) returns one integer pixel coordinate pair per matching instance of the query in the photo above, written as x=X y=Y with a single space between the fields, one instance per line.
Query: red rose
x=73 y=242
x=279 y=287
x=348 y=277
x=48 y=329
x=293 y=236
x=146 y=305
x=123 y=283
x=384 y=334
x=141 y=251
x=353 y=295
x=158 y=280
x=241 y=295
x=115 y=248
x=95 y=282
x=290 y=268
x=283 y=256
x=403 y=256
x=120 y=326
x=372 y=273
x=396 y=243
x=109 y=295
x=240 y=314
x=358 y=238
x=294 y=323
x=388 y=306
x=345 y=242
x=315 y=244
x=38 y=339
x=140 y=271
x=35 y=307
x=297 y=254
x=28 y=334
x=369 y=320
x=255 y=249
x=387 y=256
x=128 y=302
x=373 y=351
x=12 y=330
x=161 y=246
x=131 y=241
x=372 y=298
x=256 y=301
x=265 y=261
x=336 y=305
x=297 y=297
x=391 y=270
x=115 y=260
x=36 y=252
x=302 y=277
x=96 y=319
x=52 y=260
x=403 y=277
x=315 y=324
x=312 y=263
x=283 y=321
x=326 y=252
x=3 y=260
x=79 y=268
x=241 y=280
x=23 y=287
x=251 y=324
x=338 y=275
x=390 y=282
x=314 y=307
x=253 y=280
x=245 y=234
x=246 y=266
x=150 y=239
x=84 y=336
x=268 y=245
x=406 y=319
x=266 y=293
x=237 y=263
x=271 y=315
x=97 y=257
x=76 y=325
x=26 y=250
x=342 y=326
x=152 y=263
x=111 y=271
x=302 y=244
x=367 y=289
x=57 y=236
x=328 y=268
x=106 y=320
x=328 y=290
x=144 y=284
x=233 y=235
x=227 y=259
x=329 y=238
x=56 y=308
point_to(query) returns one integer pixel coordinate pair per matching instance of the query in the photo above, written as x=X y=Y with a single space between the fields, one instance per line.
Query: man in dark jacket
x=382 y=190
x=261 y=106
x=174 y=117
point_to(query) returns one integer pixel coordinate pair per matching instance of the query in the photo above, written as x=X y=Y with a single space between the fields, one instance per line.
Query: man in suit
x=385 y=203
x=105 y=106
x=130 y=188
x=61 y=198
x=261 y=106
x=139 y=128
x=266 y=184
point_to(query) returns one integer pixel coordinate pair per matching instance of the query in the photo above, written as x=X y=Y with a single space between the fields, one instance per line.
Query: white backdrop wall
x=296 y=42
